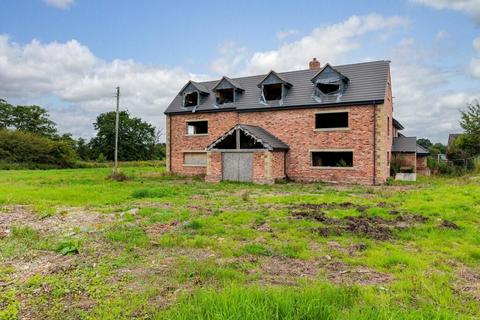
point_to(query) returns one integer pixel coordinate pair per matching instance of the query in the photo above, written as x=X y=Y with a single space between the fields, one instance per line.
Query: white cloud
x=442 y=34
x=329 y=43
x=84 y=83
x=470 y=7
x=424 y=102
x=230 y=58
x=61 y=4
x=475 y=62
x=282 y=35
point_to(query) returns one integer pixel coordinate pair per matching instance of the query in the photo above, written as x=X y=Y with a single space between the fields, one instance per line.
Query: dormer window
x=272 y=92
x=274 y=88
x=193 y=94
x=328 y=88
x=225 y=96
x=190 y=99
x=329 y=82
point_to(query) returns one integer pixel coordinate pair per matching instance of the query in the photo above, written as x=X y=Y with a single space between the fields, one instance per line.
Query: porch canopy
x=247 y=137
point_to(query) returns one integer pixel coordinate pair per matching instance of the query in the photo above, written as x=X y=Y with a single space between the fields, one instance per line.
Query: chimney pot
x=314 y=64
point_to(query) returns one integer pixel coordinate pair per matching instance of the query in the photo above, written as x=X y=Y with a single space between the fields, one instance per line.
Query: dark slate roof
x=261 y=135
x=397 y=124
x=367 y=84
x=422 y=151
x=404 y=144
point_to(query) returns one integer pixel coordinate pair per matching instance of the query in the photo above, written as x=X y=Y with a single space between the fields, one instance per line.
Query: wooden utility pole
x=115 y=170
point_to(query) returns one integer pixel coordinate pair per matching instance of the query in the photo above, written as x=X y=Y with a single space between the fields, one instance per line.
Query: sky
x=69 y=55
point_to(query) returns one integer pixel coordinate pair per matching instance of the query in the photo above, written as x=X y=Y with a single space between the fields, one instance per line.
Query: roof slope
x=404 y=144
x=261 y=135
x=409 y=145
x=367 y=84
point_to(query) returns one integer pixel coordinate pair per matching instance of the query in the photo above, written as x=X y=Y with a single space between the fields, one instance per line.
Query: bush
x=34 y=151
x=476 y=165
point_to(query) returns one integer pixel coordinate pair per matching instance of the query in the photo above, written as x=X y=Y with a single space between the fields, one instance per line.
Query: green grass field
x=74 y=245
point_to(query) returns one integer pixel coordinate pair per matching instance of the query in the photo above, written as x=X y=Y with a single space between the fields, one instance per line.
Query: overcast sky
x=69 y=55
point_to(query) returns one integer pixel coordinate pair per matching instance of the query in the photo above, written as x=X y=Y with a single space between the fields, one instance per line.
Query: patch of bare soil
x=372 y=227
x=285 y=271
x=46 y=262
x=339 y=273
x=160 y=228
x=468 y=282
x=67 y=219
x=351 y=249
x=449 y=225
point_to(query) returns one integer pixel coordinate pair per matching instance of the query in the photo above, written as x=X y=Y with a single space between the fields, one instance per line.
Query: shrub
x=33 y=151
x=476 y=165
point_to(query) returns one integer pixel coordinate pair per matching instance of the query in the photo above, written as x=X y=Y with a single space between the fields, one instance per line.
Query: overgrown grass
x=177 y=248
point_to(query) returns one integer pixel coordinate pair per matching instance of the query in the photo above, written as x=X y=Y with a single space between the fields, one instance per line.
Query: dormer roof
x=227 y=83
x=195 y=86
x=272 y=78
x=329 y=73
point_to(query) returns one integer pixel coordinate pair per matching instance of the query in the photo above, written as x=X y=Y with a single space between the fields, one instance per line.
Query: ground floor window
x=332 y=158
x=195 y=158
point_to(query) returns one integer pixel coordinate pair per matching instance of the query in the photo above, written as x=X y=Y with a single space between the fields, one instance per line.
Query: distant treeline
x=29 y=139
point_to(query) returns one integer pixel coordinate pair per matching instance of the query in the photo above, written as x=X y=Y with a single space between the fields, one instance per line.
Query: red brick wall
x=214 y=167
x=407 y=160
x=295 y=128
x=278 y=165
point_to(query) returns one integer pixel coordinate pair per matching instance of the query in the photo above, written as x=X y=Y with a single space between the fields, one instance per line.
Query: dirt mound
x=372 y=227
x=339 y=273
x=449 y=225
x=468 y=282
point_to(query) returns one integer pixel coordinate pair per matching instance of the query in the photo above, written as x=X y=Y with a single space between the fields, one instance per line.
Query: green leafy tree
x=5 y=114
x=136 y=138
x=424 y=142
x=83 y=150
x=33 y=119
x=437 y=148
x=469 y=142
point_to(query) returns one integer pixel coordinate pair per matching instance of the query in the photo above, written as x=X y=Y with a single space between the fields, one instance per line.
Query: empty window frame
x=190 y=99
x=195 y=159
x=197 y=127
x=332 y=159
x=225 y=96
x=331 y=120
x=328 y=88
x=272 y=92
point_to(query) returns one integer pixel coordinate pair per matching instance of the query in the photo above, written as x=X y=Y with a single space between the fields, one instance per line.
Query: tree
x=424 y=142
x=83 y=149
x=136 y=138
x=33 y=119
x=470 y=122
x=437 y=148
x=5 y=114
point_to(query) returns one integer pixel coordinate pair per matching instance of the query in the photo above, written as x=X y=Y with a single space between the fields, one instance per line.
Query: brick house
x=318 y=124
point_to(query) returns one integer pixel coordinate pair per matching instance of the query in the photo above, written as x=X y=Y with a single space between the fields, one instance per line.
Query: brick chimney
x=314 y=64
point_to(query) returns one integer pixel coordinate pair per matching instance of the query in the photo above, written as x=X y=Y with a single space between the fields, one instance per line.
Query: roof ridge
x=291 y=71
